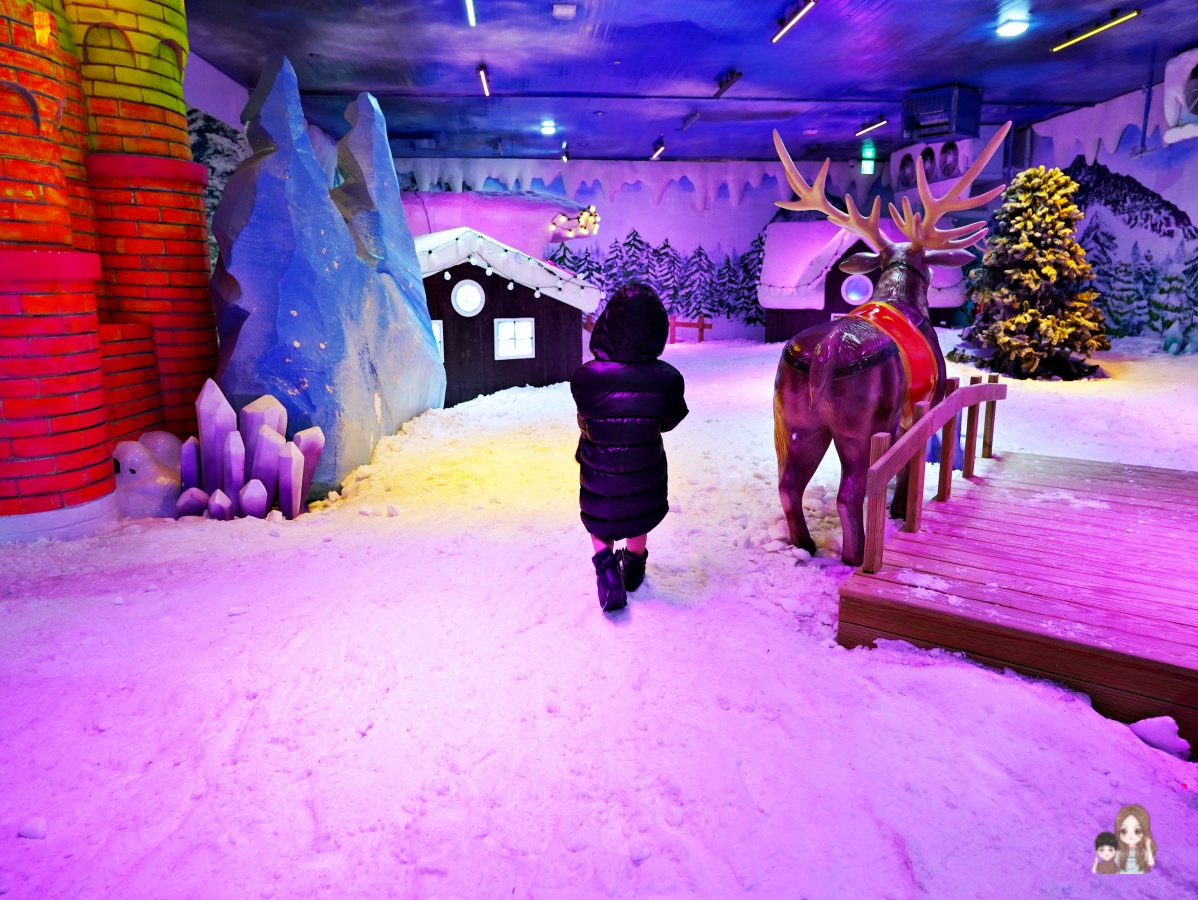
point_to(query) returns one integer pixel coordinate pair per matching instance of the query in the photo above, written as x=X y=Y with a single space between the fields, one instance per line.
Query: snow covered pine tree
x=1035 y=305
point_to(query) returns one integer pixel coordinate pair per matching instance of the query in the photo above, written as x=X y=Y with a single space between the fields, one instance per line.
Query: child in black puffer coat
x=626 y=398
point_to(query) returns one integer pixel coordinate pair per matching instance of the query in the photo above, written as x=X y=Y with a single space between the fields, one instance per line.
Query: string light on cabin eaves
x=585 y=223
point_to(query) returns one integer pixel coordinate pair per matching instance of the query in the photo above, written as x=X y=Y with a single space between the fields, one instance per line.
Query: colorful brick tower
x=148 y=194
x=54 y=447
x=106 y=323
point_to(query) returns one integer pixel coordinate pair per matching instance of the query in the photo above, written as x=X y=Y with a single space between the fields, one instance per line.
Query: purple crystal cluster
x=242 y=465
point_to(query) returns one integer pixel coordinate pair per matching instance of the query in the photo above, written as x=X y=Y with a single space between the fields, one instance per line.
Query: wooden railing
x=701 y=324
x=911 y=449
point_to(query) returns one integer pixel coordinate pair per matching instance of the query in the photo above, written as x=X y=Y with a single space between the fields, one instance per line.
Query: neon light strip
x=1098 y=30
x=807 y=7
x=482 y=76
x=661 y=148
x=470 y=13
x=868 y=128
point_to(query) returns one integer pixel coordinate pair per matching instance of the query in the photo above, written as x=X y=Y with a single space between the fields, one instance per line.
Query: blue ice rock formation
x=369 y=201
x=320 y=302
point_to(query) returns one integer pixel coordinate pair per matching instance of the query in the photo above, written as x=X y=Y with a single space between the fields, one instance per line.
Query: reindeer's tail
x=819 y=374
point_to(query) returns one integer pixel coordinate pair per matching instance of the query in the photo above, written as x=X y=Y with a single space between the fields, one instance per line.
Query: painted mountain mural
x=1129 y=201
x=1143 y=251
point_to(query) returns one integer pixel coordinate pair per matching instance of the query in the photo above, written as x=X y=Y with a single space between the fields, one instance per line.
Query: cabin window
x=468 y=297
x=439 y=334
x=515 y=338
x=856 y=289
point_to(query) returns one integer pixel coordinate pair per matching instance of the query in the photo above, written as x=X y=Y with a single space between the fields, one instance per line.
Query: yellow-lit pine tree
x=1033 y=293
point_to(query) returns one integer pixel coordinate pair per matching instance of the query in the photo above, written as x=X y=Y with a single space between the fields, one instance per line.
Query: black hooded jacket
x=626 y=398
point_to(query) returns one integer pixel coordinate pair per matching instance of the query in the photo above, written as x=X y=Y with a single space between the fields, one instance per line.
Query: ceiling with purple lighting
x=622 y=73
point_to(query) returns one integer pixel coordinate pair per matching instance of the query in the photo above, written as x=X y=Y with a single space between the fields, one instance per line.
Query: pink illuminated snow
x=412 y=692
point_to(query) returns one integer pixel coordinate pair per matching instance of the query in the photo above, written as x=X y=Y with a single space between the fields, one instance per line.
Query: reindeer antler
x=813 y=196
x=921 y=229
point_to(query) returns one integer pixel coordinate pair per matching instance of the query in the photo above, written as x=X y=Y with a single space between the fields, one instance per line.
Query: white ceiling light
x=565 y=11
x=548 y=126
x=470 y=13
x=1013 y=26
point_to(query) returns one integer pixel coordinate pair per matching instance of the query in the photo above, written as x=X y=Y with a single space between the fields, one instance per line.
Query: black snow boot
x=611 y=584
x=634 y=568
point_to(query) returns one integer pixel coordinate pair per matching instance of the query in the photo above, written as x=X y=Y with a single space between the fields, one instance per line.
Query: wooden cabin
x=502 y=318
x=802 y=284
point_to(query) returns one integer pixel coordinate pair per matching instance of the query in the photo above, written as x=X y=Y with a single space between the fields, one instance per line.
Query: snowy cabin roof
x=443 y=250
x=799 y=255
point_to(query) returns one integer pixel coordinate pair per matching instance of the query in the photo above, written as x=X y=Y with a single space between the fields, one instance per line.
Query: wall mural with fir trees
x=1141 y=241
x=689 y=284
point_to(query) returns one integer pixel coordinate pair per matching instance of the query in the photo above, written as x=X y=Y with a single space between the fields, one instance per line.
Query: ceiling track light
x=659 y=147
x=482 y=76
x=470 y=13
x=1116 y=19
x=866 y=129
x=788 y=23
x=726 y=81
x=689 y=120
x=565 y=152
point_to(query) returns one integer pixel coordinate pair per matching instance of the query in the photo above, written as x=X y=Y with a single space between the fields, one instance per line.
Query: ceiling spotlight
x=690 y=120
x=1013 y=25
x=548 y=126
x=1116 y=19
x=470 y=13
x=790 y=21
x=565 y=152
x=726 y=81
x=482 y=76
x=866 y=129
x=659 y=147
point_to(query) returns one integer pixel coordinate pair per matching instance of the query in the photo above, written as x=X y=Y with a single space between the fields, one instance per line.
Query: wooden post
x=875 y=510
x=915 y=472
x=673 y=321
x=702 y=326
x=971 y=434
x=988 y=431
x=948 y=448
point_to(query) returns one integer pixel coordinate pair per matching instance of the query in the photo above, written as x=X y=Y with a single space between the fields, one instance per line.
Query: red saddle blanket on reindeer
x=919 y=360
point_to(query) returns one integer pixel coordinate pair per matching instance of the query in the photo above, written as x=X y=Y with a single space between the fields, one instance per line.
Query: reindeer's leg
x=803 y=452
x=898 y=505
x=850 y=501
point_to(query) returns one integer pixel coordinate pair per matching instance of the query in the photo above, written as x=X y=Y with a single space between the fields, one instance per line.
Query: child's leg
x=608 y=577
x=633 y=558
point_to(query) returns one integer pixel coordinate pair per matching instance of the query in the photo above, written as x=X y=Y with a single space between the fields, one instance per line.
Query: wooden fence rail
x=910 y=450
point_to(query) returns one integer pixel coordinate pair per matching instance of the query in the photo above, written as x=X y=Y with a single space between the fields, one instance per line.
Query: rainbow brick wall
x=54 y=448
x=132 y=387
x=106 y=323
x=34 y=209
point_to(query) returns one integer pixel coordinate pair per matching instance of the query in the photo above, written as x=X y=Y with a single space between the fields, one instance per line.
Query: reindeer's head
x=926 y=245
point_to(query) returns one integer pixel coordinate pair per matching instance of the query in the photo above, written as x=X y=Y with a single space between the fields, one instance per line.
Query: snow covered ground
x=429 y=703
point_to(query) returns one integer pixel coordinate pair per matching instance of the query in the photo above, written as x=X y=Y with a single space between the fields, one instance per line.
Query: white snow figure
x=147 y=475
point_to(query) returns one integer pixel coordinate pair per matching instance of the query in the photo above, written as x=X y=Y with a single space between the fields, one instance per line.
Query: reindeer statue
x=843 y=381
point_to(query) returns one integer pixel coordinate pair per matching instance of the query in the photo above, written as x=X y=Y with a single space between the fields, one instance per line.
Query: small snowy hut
x=802 y=285
x=502 y=318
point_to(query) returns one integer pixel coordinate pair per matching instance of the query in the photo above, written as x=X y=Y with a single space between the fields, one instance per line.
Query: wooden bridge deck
x=1082 y=572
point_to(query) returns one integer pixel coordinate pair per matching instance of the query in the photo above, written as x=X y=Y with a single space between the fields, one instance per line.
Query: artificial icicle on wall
x=693 y=230
x=319 y=297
